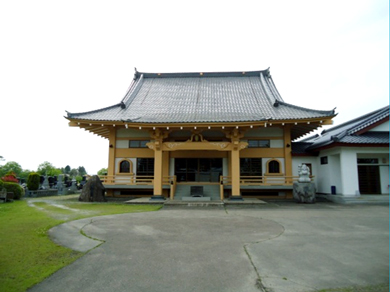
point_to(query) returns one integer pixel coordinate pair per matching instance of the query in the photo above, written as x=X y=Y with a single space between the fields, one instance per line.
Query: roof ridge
x=369 y=120
x=132 y=92
x=365 y=116
x=201 y=74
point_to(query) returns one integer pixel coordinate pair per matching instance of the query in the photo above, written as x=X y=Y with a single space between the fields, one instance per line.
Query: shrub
x=33 y=181
x=15 y=188
x=9 y=178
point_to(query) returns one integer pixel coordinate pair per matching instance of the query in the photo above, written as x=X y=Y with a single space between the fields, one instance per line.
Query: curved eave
x=299 y=127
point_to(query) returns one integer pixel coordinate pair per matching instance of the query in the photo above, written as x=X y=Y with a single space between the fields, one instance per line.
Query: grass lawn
x=27 y=255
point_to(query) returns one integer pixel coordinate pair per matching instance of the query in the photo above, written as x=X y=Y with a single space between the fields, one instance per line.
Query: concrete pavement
x=274 y=247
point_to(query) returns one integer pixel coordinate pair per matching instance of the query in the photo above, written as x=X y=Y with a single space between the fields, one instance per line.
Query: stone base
x=157 y=198
x=194 y=199
x=236 y=198
x=304 y=192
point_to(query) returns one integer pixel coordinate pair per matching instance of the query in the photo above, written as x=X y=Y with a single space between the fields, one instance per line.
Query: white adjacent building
x=351 y=159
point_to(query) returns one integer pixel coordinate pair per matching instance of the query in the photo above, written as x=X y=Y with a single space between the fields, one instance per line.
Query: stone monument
x=93 y=191
x=60 y=185
x=304 y=191
x=73 y=187
x=45 y=184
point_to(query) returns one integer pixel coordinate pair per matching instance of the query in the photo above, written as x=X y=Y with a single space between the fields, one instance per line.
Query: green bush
x=33 y=180
x=15 y=188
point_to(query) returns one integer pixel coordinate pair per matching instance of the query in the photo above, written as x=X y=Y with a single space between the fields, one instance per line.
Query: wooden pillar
x=158 y=137
x=111 y=159
x=111 y=152
x=235 y=167
x=287 y=154
x=158 y=170
x=235 y=136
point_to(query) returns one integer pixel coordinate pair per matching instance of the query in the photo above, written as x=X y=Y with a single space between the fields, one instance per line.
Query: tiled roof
x=367 y=138
x=300 y=147
x=354 y=131
x=201 y=98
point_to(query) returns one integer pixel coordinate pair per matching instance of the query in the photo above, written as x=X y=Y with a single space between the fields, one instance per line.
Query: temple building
x=218 y=135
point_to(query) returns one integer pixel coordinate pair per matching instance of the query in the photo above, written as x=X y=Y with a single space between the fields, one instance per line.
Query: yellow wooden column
x=235 y=136
x=111 y=158
x=111 y=152
x=235 y=174
x=158 y=137
x=157 y=188
x=287 y=153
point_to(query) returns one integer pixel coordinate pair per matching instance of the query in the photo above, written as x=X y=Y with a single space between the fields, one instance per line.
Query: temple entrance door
x=198 y=169
x=369 y=179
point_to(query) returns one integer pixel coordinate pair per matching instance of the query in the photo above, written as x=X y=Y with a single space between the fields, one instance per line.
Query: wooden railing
x=127 y=180
x=139 y=180
x=171 y=180
x=259 y=181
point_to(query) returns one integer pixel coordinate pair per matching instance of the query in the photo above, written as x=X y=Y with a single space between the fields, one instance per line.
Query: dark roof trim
x=75 y=115
x=362 y=118
x=202 y=74
x=329 y=113
x=340 y=144
x=366 y=129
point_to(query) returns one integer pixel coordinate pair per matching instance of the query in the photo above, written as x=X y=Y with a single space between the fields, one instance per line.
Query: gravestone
x=93 y=191
x=60 y=185
x=45 y=184
x=304 y=191
x=73 y=187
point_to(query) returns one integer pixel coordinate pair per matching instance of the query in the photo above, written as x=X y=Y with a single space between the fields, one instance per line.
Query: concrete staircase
x=210 y=193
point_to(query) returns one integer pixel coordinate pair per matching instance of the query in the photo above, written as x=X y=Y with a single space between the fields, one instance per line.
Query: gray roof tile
x=201 y=97
x=353 y=131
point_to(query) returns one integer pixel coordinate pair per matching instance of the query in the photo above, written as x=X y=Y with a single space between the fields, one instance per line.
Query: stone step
x=210 y=192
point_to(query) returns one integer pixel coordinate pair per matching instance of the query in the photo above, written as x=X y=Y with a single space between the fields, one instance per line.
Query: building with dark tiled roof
x=224 y=133
x=352 y=158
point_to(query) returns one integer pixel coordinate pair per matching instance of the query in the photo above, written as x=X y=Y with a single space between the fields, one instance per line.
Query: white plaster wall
x=381 y=128
x=133 y=133
x=335 y=173
x=123 y=144
x=265 y=132
x=171 y=166
x=384 y=173
x=342 y=169
x=225 y=167
x=276 y=144
x=323 y=176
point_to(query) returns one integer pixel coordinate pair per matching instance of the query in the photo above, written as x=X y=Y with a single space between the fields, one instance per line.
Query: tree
x=46 y=168
x=103 y=171
x=24 y=174
x=67 y=169
x=73 y=172
x=82 y=171
x=11 y=166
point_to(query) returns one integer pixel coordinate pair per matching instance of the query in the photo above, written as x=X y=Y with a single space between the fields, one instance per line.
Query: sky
x=76 y=56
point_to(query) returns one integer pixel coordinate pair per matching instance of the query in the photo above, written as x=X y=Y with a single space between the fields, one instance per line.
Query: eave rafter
x=298 y=127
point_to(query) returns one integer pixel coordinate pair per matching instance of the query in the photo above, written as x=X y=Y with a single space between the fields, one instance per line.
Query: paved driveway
x=287 y=247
